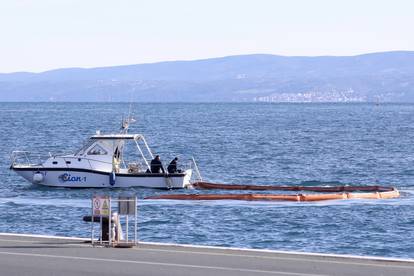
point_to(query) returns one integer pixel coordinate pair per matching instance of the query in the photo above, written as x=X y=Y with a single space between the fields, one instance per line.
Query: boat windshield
x=86 y=145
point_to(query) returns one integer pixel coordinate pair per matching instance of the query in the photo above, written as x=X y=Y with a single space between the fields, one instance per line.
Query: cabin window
x=54 y=162
x=85 y=147
x=97 y=150
x=67 y=162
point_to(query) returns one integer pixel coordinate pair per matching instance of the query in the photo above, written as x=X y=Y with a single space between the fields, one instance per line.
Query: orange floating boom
x=216 y=186
x=353 y=192
x=267 y=197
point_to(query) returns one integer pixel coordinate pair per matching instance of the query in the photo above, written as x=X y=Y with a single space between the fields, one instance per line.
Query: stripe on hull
x=42 y=169
x=98 y=179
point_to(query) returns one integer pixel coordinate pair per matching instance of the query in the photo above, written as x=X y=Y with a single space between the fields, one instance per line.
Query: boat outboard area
x=101 y=163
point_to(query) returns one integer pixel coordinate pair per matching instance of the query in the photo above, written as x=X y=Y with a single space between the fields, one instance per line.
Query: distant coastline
x=377 y=77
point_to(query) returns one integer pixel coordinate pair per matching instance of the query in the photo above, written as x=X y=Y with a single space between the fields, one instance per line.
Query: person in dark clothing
x=172 y=167
x=156 y=165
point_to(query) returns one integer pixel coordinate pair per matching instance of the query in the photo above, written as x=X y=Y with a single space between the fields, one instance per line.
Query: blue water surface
x=290 y=144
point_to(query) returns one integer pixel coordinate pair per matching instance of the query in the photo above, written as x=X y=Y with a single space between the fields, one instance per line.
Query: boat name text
x=66 y=177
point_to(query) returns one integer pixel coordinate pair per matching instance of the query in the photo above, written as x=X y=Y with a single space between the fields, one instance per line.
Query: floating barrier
x=343 y=188
x=338 y=192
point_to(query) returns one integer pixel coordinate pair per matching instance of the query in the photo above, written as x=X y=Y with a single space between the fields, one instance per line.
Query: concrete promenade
x=36 y=255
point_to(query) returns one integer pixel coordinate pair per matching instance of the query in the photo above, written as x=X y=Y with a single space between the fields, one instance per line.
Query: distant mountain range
x=377 y=77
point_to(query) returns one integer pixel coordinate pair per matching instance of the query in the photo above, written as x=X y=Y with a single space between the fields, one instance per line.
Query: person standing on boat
x=172 y=167
x=156 y=165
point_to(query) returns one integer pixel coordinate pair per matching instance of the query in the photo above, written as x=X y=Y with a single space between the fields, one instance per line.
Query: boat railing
x=27 y=158
x=197 y=176
x=189 y=164
x=183 y=166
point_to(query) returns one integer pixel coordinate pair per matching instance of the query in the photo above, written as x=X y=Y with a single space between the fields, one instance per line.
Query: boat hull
x=80 y=178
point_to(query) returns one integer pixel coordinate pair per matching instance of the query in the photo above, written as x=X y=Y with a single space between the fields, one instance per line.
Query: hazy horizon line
x=202 y=59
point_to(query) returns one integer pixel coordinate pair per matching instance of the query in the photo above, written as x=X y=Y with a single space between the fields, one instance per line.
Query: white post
x=109 y=222
x=135 y=221
x=92 y=217
x=127 y=228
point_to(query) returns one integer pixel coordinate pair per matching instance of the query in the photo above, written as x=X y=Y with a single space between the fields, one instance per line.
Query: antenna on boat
x=130 y=106
x=129 y=119
x=125 y=124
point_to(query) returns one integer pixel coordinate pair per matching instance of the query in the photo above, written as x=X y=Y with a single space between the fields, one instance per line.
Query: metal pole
x=100 y=222
x=127 y=228
x=142 y=155
x=92 y=221
x=135 y=221
x=113 y=159
x=196 y=168
x=146 y=145
x=109 y=222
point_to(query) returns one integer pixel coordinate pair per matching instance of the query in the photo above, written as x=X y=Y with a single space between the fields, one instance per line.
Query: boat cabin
x=105 y=152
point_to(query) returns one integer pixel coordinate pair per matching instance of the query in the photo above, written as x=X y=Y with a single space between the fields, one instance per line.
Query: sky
x=39 y=35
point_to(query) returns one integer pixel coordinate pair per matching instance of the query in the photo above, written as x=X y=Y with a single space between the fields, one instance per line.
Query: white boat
x=100 y=163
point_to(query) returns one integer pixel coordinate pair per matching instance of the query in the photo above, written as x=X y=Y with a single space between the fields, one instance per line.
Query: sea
x=248 y=143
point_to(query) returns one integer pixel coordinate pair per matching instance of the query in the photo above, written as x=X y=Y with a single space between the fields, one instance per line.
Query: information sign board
x=100 y=205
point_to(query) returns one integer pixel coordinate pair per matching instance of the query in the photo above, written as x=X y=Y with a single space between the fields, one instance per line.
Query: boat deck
x=41 y=255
